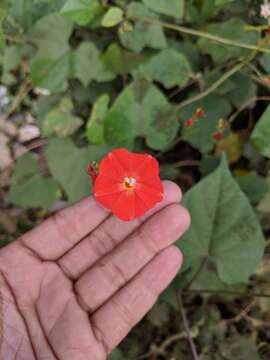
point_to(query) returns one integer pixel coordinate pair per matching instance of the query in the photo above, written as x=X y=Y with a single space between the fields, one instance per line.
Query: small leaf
x=29 y=188
x=225 y=238
x=200 y=134
x=95 y=127
x=67 y=164
x=169 y=67
x=142 y=34
x=88 y=66
x=173 y=8
x=233 y=29
x=260 y=137
x=253 y=185
x=82 y=12
x=51 y=34
x=60 y=120
x=232 y=145
x=51 y=74
x=112 y=17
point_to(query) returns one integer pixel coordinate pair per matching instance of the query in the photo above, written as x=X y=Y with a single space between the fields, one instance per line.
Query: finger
x=112 y=322
x=113 y=271
x=63 y=230
x=111 y=232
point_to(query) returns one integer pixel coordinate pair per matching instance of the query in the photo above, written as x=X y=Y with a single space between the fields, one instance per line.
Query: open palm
x=73 y=287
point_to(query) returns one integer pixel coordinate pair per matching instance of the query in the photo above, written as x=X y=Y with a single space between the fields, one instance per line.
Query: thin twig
x=211 y=88
x=203 y=34
x=226 y=292
x=183 y=163
x=186 y=326
x=23 y=91
x=246 y=104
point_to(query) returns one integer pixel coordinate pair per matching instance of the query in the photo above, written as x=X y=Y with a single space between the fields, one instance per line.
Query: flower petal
x=124 y=206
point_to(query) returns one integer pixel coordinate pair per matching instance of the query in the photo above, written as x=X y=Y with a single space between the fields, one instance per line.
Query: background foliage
x=183 y=80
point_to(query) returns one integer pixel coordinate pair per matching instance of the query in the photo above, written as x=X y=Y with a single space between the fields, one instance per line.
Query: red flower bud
x=189 y=122
x=200 y=113
x=92 y=170
x=218 y=136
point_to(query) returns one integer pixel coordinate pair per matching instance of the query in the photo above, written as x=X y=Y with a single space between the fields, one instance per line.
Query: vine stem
x=246 y=104
x=225 y=292
x=186 y=326
x=211 y=88
x=203 y=34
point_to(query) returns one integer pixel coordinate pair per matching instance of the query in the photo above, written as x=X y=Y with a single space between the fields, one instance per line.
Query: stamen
x=129 y=182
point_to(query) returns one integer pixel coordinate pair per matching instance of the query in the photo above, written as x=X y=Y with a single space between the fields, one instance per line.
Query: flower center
x=129 y=182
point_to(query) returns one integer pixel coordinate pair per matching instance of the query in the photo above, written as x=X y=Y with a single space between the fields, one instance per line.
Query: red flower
x=128 y=184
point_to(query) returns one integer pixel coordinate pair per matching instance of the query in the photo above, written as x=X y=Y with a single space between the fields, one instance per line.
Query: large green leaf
x=142 y=34
x=82 y=12
x=225 y=240
x=60 y=120
x=51 y=35
x=173 y=8
x=169 y=67
x=233 y=29
x=260 y=136
x=140 y=110
x=29 y=188
x=67 y=164
x=88 y=66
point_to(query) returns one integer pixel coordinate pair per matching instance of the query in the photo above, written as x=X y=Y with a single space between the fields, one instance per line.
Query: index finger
x=63 y=230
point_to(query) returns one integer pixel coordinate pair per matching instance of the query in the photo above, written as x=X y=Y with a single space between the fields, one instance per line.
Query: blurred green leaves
x=29 y=188
x=82 y=12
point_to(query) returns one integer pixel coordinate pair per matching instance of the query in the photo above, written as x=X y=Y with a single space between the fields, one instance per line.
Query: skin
x=73 y=287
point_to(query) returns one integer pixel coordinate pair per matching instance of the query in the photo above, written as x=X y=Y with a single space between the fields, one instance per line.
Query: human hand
x=73 y=287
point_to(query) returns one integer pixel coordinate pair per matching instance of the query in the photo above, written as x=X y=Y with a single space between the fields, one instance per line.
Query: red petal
x=148 y=168
x=124 y=206
x=107 y=200
x=149 y=195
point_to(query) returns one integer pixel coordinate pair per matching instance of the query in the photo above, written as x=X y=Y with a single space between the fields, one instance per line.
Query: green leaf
x=253 y=185
x=51 y=74
x=163 y=127
x=142 y=34
x=88 y=65
x=116 y=355
x=233 y=29
x=140 y=110
x=51 y=35
x=200 y=134
x=95 y=127
x=169 y=67
x=82 y=12
x=245 y=89
x=60 y=120
x=117 y=60
x=29 y=188
x=173 y=8
x=260 y=137
x=112 y=17
x=264 y=60
x=67 y=164
x=225 y=239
